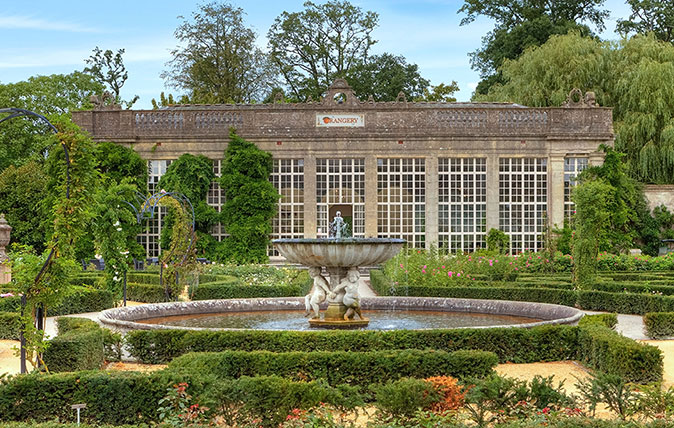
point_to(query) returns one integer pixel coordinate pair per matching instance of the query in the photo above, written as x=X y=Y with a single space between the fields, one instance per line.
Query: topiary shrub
x=659 y=324
x=605 y=320
x=79 y=346
x=10 y=326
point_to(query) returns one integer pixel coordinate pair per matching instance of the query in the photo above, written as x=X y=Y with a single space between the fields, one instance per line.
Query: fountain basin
x=128 y=318
x=338 y=252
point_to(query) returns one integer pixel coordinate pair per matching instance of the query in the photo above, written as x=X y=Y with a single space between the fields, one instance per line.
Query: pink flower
x=7 y=295
x=450 y=273
x=458 y=274
x=423 y=271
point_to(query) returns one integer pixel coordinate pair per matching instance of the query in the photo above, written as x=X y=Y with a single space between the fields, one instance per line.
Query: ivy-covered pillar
x=5 y=232
x=556 y=192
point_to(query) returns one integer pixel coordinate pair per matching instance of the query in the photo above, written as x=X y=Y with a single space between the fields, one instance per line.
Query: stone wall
x=660 y=194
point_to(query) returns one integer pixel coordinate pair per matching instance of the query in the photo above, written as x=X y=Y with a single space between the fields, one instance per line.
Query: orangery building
x=432 y=173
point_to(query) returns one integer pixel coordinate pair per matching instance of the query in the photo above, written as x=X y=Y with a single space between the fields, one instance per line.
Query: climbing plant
x=192 y=176
x=250 y=201
x=115 y=231
x=179 y=259
x=592 y=215
x=44 y=279
x=498 y=241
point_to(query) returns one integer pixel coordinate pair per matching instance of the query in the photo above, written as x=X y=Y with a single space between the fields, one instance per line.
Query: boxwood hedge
x=341 y=367
x=659 y=324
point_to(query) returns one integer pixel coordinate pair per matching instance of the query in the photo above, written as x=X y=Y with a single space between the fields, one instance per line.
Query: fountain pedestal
x=341 y=257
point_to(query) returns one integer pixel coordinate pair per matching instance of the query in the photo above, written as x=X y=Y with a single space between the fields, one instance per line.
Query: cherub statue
x=318 y=292
x=351 y=298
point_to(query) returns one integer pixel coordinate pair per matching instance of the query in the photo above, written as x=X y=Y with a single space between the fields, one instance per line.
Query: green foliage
x=620 y=74
x=340 y=367
x=611 y=389
x=383 y=76
x=544 y=343
x=71 y=215
x=268 y=400
x=10 y=326
x=659 y=324
x=191 y=176
x=605 y=320
x=523 y=24
x=218 y=60
x=179 y=260
x=250 y=201
x=498 y=241
x=111 y=397
x=592 y=214
x=404 y=398
x=233 y=289
x=147 y=293
x=22 y=139
x=116 y=162
x=21 y=195
x=339 y=35
x=79 y=346
x=649 y=16
x=115 y=230
x=108 y=69
x=605 y=350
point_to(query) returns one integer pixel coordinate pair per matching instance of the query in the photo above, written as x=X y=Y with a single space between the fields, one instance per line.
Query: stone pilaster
x=310 y=196
x=492 y=192
x=371 y=196
x=556 y=191
x=431 y=201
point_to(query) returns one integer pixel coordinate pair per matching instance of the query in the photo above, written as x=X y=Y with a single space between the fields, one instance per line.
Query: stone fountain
x=341 y=256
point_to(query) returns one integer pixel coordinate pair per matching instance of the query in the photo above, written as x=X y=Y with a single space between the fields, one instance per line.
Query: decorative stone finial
x=577 y=100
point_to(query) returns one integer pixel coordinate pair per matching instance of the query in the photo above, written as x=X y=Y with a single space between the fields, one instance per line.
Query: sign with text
x=339 y=120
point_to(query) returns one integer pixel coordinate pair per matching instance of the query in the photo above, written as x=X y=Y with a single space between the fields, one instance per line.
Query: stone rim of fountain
x=551 y=314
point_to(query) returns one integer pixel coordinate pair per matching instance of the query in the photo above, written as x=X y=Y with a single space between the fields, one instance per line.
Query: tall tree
x=656 y=16
x=634 y=76
x=384 y=76
x=524 y=23
x=108 y=69
x=313 y=47
x=47 y=95
x=218 y=61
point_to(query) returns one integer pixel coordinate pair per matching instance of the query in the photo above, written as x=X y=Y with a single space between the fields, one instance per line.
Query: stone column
x=310 y=196
x=431 y=201
x=492 y=192
x=5 y=232
x=556 y=192
x=371 y=196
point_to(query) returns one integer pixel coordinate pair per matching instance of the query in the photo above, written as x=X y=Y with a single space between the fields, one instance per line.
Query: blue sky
x=43 y=37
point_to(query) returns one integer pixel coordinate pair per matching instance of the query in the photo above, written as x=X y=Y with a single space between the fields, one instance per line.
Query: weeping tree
x=634 y=76
x=250 y=201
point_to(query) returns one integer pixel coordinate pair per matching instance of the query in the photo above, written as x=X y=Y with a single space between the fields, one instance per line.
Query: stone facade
x=427 y=172
x=660 y=194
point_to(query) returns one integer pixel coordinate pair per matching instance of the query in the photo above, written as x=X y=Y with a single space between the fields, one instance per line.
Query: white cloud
x=29 y=23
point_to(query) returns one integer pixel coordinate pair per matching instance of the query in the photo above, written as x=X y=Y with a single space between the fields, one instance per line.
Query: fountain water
x=341 y=256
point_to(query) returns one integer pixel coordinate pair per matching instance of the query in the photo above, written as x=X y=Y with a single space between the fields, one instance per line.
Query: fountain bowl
x=339 y=252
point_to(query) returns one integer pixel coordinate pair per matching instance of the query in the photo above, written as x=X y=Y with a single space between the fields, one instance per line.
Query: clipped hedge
x=111 y=397
x=341 y=367
x=543 y=343
x=659 y=324
x=522 y=294
x=79 y=346
x=79 y=300
x=235 y=290
x=146 y=293
x=603 y=349
x=624 y=303
x=10 y=325
x=605 y=320
x=132 y=398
